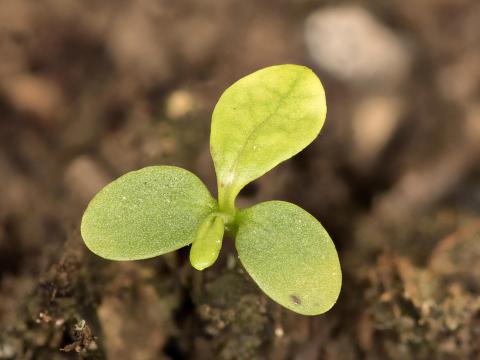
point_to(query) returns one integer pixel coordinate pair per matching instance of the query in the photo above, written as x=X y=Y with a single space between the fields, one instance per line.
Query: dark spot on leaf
x=296 y=300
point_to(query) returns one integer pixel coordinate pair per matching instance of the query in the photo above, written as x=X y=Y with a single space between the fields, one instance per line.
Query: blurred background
x=90 y=90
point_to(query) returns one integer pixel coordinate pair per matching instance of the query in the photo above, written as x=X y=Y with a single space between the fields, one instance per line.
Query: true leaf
x=290 y=256
x=262 y=120
x=208 y=242
x=146 y=213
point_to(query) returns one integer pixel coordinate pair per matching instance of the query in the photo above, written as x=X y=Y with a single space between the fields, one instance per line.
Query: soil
x=91 y=90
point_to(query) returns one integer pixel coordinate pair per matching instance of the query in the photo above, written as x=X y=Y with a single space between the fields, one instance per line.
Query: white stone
x=351 y=44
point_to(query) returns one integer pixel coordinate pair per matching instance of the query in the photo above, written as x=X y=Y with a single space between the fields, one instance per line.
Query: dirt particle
x=82 y=337
x=295 y=299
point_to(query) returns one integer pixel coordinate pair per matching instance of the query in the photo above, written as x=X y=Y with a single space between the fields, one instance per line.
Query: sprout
x=261 y=120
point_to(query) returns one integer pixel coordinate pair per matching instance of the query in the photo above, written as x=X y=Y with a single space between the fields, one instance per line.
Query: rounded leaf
x=262 y=120
x=146 y=213
x=290 y=256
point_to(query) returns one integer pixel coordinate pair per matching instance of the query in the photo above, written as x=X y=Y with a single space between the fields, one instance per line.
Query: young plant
x=260 y=121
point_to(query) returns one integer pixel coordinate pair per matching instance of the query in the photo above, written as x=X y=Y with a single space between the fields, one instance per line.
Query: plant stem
x=226 y=201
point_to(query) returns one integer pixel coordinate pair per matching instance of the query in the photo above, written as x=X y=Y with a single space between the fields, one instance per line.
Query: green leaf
x=146 y=213
x=208 y=242
x=290 y=256
x=261 y=120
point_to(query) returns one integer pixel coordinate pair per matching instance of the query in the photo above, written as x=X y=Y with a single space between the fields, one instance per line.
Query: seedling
x=261 y=120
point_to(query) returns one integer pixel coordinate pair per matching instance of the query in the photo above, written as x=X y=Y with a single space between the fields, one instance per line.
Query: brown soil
x=90 y=90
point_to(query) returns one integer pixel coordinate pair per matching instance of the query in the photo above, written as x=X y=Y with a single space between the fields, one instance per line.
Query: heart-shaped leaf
x=290 y=256
x=146 y=213
x=262 y=120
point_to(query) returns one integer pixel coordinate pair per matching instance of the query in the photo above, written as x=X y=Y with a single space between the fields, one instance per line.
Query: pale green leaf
x=290 y=256
x=262 y=120
x=208 y=242
x=146 y=213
